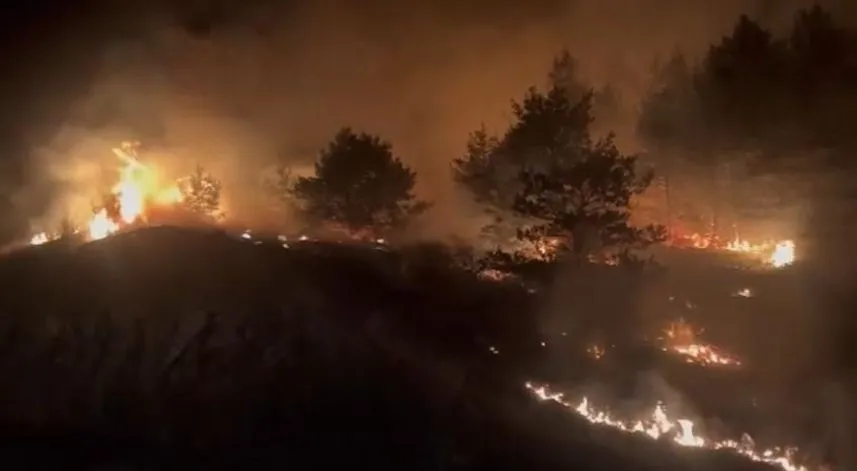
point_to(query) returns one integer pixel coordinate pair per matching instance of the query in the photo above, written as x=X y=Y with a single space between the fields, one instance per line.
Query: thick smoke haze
x=239 y=86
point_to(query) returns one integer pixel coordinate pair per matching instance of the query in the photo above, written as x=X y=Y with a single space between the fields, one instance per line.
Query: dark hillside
x=166 y=348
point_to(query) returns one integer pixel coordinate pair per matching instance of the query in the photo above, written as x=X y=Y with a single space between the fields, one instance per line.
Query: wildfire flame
x=681 y=431
x=783 y=254
x=40 y=238
x=681 y=339
x=739 y=245
x=101 y=226
x=139 y=188
x=778 y=255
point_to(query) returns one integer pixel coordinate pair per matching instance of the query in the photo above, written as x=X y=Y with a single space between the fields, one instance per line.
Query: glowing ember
x=680 y=431
x=681 y=339
x=596 y=351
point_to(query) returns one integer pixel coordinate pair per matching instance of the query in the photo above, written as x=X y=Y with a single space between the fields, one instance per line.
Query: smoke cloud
x=239 y=86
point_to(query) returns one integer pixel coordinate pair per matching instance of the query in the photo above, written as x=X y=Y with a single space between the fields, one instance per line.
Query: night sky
x=42 y=40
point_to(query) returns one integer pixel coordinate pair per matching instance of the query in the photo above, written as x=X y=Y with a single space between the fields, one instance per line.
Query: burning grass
x=682 y=339
x=771 y=253
x=678 y=430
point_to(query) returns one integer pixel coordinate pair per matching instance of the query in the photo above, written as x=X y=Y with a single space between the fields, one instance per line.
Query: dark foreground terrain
x=167 y=348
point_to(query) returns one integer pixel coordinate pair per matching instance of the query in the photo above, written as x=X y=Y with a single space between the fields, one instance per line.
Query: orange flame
x=139 y=186
x=138 y=189
x=681 y=339
x=660 y=424
x=101 y=226
x=40 y=238
x=775 y=254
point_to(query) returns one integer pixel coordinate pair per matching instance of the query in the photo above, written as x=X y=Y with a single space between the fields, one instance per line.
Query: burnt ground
x=174 y=348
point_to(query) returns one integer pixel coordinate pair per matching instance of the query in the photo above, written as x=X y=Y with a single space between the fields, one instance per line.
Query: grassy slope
x=181 y=347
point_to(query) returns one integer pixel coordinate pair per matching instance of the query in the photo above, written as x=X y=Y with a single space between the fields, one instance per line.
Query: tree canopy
x=360 y=185
x=757 y=104
x=278 y=183
x=754 y=92
x=574 y=187
x=548 y=170
x=201 y=193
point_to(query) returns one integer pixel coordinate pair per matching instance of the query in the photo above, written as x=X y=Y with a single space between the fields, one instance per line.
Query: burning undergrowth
x=770 y=253
x=141 y=194
x=724 y=374
x=683 y=339
x=683 y=407
x=681 y=431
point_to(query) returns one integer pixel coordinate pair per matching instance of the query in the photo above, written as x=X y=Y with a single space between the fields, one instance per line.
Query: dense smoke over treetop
x=243 y=84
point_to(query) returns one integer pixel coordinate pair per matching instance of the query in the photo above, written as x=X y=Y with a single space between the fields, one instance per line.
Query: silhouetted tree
x=359 y=184
x=741 y=85
x=565 y=74
x=823 y=75
x=491 y=165
x=279 y=183
x=669 y=113
x=607 y=104
x=201 y=193
x=757 y=94
x=544 y=123
x=548 y=171
x=477 y=169
x=670 y=125
x=578 y=190
x=490 y=179
x=757 y=104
